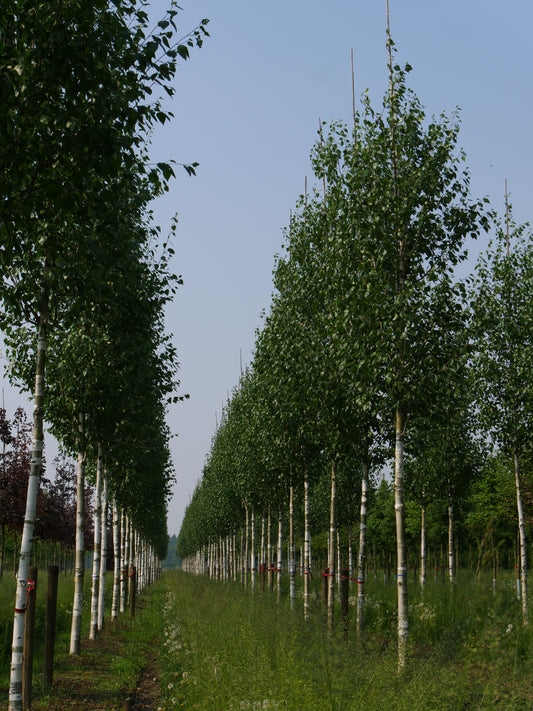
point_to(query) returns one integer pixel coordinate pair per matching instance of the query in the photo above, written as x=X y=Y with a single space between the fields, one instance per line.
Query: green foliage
x=80 y=257
x=502 y=328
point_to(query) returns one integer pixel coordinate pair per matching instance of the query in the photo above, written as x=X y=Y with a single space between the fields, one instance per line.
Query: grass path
x=118 y=671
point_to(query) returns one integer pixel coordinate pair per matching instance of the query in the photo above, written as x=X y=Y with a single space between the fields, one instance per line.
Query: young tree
x=407 y=214
x=502 y=322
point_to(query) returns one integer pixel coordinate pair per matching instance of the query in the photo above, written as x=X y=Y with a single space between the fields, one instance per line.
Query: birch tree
x=409 y=211
x=502 y=322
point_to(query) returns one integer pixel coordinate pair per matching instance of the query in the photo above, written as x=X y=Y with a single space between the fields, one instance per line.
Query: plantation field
x=212 y=645
x=226 y=648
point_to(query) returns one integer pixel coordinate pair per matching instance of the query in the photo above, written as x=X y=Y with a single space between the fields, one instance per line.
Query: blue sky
x=247 y=107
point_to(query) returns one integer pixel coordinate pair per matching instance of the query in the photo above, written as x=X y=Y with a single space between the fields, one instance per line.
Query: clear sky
x=247 y=107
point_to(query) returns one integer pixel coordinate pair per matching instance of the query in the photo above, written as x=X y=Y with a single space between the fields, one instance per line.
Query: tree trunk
x=15 y=685
x=253 y=563
x=331 y=547
x=339 y=561
x=103 y=555
x=403 y=618
x=269 y=550
x=361 y=557
x=246 y=549
x=423 y=545
x=2 y=547
x=123 y=560
x=279 y=561
x=262 y=554
x=522 y=534
x=451 y=562
x=350 y=553
x=116 y=561
x=307 y=546
x=96 y=547
x=79 y=566
x=292 y=551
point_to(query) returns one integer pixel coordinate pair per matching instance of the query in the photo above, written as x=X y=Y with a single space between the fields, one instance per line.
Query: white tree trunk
x=103 y=555
x=331 y=547
x=269 y=549
x=350 y=552
x=451 y=561
x=279 y=562
x=361 y=556
x=93 y=628
x=423 y=546
x=246 y=549
x=292 y=550
x=234 y=562
x=339 y=560
x=117 y=543
x=523 y=542
x=403 y=618
x=307 y=546
x=253 y=563
x=79 y=565
x=263 y=546
x=15 y=684
x=123 y=560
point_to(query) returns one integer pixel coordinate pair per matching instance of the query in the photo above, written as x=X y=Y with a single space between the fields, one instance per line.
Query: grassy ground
x=207 y=645
x=119 y=670
x=227 y=649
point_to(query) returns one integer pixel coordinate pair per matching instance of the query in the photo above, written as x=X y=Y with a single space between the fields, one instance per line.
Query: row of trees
x=373 y=356
x=55 y=521
x=85 y=275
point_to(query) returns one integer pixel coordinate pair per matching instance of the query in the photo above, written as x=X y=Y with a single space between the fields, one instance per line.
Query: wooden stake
x=321 y=145
x=506 y=218
x=353 y=87
x=50 y=623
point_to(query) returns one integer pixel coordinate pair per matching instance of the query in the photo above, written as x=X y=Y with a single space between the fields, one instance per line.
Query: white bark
x=331 y=547
x=307 y=546
x=234 y=557
x=523 y=542
x=15 y=684
x=451 y=561
x=269 y=549
x=123 y=560
x=361 y=556
x=253 y=563
x=338 y=556
x=103 y=555
x=350 y=552
x=262 y=553
x=279 y=562
x=79 y=566
x=292 y=551
x=117 y=543
x=403 y=618
x=93 y=628
x=246 y=548
x=423 y=546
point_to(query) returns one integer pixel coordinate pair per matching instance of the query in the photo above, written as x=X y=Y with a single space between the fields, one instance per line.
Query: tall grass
x=226 y=648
